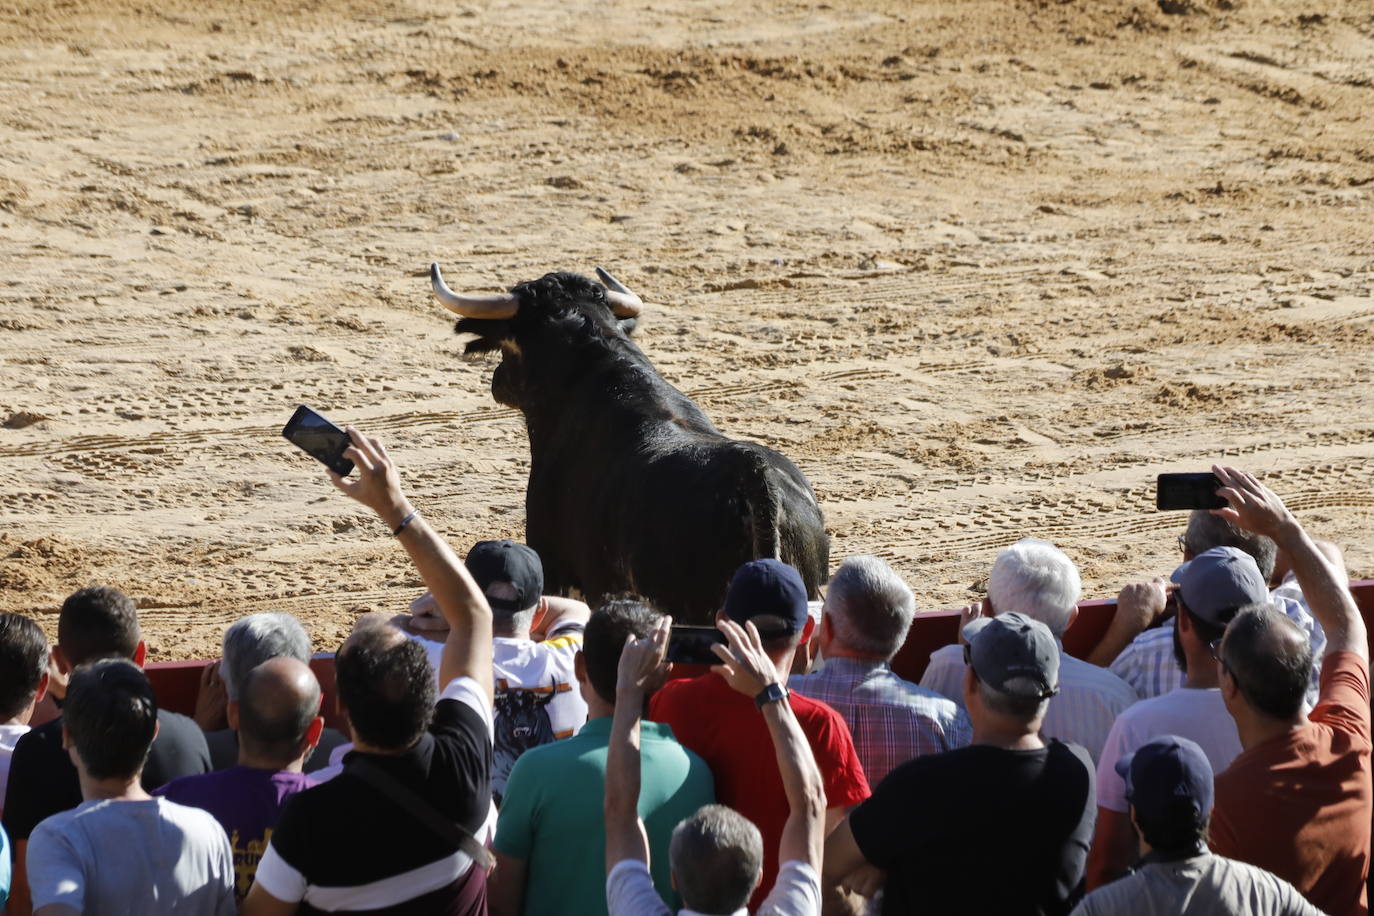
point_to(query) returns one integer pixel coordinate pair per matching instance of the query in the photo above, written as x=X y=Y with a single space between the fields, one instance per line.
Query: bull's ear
x=628 y=325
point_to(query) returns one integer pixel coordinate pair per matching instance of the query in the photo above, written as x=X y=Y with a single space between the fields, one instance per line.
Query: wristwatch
x=770 y=694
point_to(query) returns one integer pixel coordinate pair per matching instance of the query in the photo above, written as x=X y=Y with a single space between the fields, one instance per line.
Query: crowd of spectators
x=509 y=752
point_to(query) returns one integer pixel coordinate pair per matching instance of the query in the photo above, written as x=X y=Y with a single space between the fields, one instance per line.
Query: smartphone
x=692 y=645
x=1188 y=491
x=320 y=439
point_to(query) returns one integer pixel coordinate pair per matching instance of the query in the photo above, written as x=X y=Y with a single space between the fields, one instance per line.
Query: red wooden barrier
x=177 y=683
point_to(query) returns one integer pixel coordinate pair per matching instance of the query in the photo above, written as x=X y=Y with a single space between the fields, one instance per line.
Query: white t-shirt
x=630 y=892
x=537 y=698
x=148 y=857
x=1196 y=714
x=9 y=737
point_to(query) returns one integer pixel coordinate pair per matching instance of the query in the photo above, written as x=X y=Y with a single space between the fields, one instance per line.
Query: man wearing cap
x=1037 y=579
x=724 y=726
x=536 y=640
x=1298 y=800
x=1211 y=588
x=1001 y=826
x=1168 y=783
x=1145 y=658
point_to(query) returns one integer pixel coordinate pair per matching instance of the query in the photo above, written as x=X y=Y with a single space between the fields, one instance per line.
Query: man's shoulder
x=814 y=713
x=952 y=654
x=44 y=739
x=1085 y=678
x=175 y=728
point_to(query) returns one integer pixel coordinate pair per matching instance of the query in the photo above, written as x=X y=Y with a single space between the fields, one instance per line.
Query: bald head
x=278 y=702
x=1270 y=660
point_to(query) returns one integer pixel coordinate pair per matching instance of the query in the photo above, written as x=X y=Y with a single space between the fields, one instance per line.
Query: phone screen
x=320 y=439
x=1188 y=491
x=692 y=645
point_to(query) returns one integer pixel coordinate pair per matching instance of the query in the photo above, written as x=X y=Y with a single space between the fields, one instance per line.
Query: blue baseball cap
x=1216 y=582
x=768 y=588
x=1168 y=779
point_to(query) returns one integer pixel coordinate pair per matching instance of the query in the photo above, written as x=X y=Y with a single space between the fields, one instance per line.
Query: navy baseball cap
x=1169 y=780
x=507 y=561
x=1216 y=582
x=768 y=588
x=1014 y=654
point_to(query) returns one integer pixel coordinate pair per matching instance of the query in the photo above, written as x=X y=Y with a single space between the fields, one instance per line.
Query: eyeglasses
x=1215 y=648
x=1182 y=544
x=968 y=656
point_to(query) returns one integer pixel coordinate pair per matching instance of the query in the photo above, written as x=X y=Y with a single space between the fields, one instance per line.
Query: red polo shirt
x=726 y=728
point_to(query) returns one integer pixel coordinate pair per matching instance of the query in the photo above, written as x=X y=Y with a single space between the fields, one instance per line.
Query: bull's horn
x=503 y=305
x=624 y=303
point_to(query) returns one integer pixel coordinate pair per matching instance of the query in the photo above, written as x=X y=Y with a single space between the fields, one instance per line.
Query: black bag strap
x=421 y=810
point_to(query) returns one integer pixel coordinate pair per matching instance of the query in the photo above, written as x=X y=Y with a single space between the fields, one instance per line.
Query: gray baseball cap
x=1014 y=654
x=1216 y=582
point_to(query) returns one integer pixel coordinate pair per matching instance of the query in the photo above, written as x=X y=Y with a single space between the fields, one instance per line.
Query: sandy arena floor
x=981 y=269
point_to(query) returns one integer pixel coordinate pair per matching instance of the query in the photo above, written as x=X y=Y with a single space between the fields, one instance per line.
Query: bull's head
x=539 y=322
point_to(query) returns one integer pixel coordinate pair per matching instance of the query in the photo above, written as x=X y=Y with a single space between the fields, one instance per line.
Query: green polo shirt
x=551 y=815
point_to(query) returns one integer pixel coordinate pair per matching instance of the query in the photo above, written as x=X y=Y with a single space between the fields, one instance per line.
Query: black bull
x=631 y=488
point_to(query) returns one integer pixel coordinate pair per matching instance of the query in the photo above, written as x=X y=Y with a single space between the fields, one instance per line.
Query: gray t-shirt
x=1204 y=885
x=132 y=857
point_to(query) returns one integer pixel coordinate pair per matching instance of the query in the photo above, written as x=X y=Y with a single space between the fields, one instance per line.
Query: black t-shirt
x=344 y=835
x=43 y=779
x=982 y=830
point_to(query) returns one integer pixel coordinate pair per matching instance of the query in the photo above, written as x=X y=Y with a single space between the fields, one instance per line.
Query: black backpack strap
x=421 y=810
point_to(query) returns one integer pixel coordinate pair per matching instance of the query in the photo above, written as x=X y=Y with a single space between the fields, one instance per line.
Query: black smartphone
x=692 y=645
x=1188 y=491
x=320 y=439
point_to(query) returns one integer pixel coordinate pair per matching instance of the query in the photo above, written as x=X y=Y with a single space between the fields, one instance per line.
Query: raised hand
x=747 y=668
x=641 y=665
x=378 y=485
x=1250 y=504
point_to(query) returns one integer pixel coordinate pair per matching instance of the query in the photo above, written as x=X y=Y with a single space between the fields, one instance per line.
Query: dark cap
x=1216 y=582
x=506 y=561
x=1014 y=654
x=768 y=588
x=1169 y=780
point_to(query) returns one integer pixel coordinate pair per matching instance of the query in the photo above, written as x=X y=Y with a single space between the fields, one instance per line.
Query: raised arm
x=555 y=612
x=641 y=666
x=1254 y=507
x=467 y=651
x=748 y=669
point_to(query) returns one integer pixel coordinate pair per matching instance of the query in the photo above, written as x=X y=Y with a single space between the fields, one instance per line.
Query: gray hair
x=869 y=606
x=1035 y=578
x=258 y=638
x=510 y=621
x=717 y=859
x=1206 y=531
x=1026 y=709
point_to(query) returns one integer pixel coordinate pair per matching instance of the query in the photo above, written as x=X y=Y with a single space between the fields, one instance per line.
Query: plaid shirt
x=1148 y=663
x=892 y=720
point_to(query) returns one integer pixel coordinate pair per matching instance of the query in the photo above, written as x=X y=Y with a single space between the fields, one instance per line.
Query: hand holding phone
x=1188 y=491
x=320 y=439
x=692 y=645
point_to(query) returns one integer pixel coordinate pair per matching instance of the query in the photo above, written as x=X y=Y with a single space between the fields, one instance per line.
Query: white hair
x=259 y=638
x=869 y=606
x=1035 y=578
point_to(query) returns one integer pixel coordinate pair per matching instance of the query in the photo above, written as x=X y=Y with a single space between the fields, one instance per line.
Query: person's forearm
x=1113 y=642
x=796 y=764
x=1325 y=590
x=560 y=611
x=624 y=837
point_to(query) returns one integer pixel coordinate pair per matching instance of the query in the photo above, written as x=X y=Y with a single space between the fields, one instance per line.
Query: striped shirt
x=1088 y=702
x=1148 y=663
x=892 y=720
